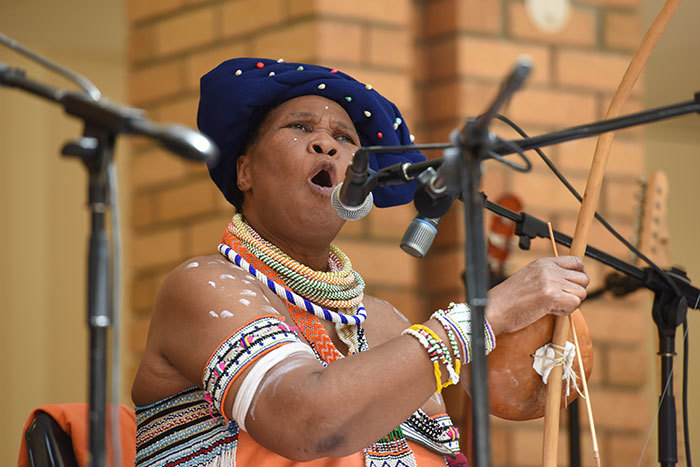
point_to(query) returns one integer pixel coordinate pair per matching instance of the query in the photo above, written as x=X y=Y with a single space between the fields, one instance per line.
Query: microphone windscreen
x=419 y=235
x=350 y=213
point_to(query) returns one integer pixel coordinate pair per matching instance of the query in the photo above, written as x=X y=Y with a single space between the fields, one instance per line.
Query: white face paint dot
x=226 y=314
x=249 y=292
x=212 y=284
x=193 y=264
x=213 y=313
x=244 y=301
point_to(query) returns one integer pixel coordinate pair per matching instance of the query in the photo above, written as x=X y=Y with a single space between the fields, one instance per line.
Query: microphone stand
x=103 y=122
x=672 y=293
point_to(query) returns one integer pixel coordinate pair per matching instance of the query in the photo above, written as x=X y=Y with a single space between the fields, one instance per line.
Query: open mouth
x=322 y=179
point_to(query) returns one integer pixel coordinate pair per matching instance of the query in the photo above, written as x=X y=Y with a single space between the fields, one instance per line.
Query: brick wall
x=440 y=61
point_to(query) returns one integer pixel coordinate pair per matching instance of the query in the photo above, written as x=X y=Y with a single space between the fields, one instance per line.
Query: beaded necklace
x=335 y=289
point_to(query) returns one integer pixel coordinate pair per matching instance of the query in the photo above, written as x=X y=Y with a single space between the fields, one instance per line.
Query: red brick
x=155 y=167
x=623 y=448
x=406 y=301
x=541 y=190
x=354 y=229
x=204 y=236
x=390 y=223
x=143 y=210
x=156 y=82
x=202 y=62
x=494 y=58
x=143 y=292
x=245 y=16
x=621 y=409
x=622 y=30
x=294 y=43
x=622 y=198
x=185 y=201
x=138 y=10
x=381 y=264
x=631 y=4
x=388 y=47
x=604 y=317
x=185 y=31
x=626 y=156
x=396 y=12
x=440 y=59
x=580 y=28
x=397 y=87
x=442 y=271
x=589 y=70
x=138 y=333
x=339 y=42
x=140 y=45
x=157 y=249
x=552 y=107
x=449 y=16
x=182 y=111
x=627 y=366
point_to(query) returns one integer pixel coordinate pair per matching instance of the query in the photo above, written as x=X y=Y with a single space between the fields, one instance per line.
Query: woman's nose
x=323 y=145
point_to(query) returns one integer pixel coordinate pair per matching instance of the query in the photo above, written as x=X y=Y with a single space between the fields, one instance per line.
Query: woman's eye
x=300 y=126
x=345 y=138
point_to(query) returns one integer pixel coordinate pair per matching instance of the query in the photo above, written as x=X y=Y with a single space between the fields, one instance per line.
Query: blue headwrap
x=236 y=95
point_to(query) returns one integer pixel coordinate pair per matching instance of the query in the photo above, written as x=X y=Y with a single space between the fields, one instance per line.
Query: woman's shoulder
x=384 y=320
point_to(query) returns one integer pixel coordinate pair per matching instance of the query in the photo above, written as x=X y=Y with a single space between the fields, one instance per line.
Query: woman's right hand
x=545 y=286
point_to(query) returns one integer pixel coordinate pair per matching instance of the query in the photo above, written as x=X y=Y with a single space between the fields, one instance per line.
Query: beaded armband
x=438 y=353
x=240 y=350
x=458 y=319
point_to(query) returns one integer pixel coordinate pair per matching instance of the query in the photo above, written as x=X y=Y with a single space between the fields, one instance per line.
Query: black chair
x=48 y=444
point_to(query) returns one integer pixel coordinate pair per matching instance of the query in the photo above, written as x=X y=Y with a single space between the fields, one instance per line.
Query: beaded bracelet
x=453 y=341
x=458 y=317
x=438 y=353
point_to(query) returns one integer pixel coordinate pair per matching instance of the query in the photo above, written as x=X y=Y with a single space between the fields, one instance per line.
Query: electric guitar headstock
x=652 y=234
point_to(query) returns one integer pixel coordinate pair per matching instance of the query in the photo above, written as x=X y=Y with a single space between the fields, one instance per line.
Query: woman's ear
x=243 y=180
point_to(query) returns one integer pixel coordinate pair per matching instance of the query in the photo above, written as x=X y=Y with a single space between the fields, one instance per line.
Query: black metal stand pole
x=669 y=312
x=96 y=150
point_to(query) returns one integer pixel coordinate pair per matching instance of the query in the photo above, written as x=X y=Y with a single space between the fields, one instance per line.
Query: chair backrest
x=47 y=444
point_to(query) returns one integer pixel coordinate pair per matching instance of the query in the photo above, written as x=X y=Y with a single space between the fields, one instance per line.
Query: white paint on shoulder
x=249 y=293
x=226 y=314
x=227 y=276
x=270 y=309
x=246 y=282
x=213 y=313
x=212 y=284
x=405 y=320
x=193 y=264
x=244 y=301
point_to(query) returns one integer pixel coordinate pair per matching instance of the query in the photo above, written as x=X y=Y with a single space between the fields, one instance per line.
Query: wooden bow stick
x=585 y=217
x=582 y=372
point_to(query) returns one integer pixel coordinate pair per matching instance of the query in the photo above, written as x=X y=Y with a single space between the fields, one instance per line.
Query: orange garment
x=73 y=419
x=250 y=453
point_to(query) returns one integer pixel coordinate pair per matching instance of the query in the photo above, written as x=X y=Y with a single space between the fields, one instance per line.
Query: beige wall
x=673 y=75
x=43 y=337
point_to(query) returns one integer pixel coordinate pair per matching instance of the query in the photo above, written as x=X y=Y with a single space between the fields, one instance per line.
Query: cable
x=115 y=293
x=686 y=431
x=600 y=218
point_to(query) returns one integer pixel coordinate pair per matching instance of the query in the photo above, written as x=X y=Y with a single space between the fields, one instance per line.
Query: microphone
x=419 y=235
x=350 y=212
x=432 y=201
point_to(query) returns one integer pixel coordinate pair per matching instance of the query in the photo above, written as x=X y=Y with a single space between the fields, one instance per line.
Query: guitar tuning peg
x=642 y=181
x=639 y=195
